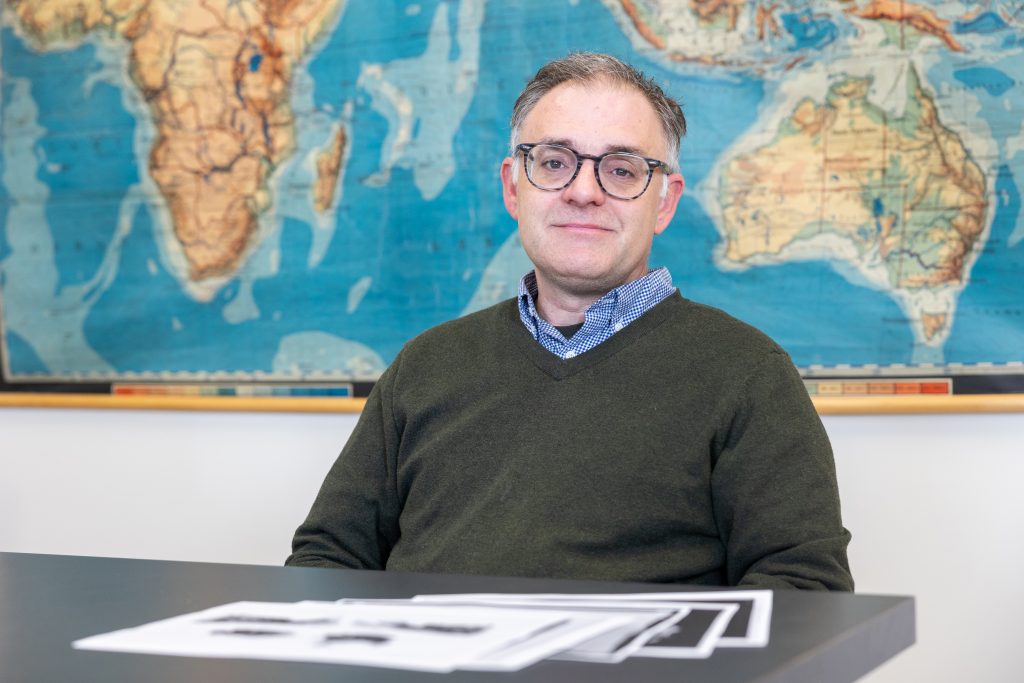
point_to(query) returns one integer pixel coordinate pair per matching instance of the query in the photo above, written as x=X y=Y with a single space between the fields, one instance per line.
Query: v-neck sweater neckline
x=562 y=368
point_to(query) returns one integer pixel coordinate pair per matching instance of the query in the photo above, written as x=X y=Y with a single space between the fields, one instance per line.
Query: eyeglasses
x=619 y=174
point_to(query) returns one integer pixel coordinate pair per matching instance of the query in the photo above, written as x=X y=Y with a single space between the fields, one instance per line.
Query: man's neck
x=563 y=306
x=560 y=310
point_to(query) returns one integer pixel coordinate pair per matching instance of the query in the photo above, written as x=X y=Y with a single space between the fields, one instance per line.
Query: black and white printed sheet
x=708 y=620
x=441 y=633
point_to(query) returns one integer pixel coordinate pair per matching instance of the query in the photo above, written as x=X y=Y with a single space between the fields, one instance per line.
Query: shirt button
x=570 y=354
x=618 y=326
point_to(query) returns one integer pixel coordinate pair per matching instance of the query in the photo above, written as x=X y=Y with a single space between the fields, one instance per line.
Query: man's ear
x=509 y=191
x=668 y=203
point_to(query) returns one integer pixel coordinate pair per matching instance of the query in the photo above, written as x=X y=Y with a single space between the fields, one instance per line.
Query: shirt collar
x=618 y=307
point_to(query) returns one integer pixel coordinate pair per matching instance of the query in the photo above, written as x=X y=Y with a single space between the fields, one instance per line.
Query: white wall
x=935 y=504
x=217 y=487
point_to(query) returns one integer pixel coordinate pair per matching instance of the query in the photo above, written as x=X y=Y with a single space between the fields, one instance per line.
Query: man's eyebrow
x=565 y=142
x=628 y=149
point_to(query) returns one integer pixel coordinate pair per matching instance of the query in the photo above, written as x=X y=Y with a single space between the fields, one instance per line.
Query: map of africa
x=291 y=189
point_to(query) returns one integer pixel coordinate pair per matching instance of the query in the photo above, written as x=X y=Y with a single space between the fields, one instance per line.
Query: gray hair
x=588 y=67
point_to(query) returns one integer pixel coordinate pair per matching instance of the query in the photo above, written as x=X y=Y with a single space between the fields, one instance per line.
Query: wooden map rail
x=845 y=405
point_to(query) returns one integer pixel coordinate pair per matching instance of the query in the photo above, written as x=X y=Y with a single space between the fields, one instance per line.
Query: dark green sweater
x=683 y=449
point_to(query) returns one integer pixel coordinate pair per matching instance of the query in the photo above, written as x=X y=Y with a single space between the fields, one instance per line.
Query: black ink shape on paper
x=448 y=629
x=248 y=632
x=253 y=619
x=369 y=639
x=689 y=631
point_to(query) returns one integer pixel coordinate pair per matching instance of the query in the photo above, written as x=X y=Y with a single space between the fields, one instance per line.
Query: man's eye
x=553 y=164
x=623 y=172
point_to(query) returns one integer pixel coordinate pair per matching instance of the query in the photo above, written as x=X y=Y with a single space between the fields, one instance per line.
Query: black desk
x=47 y=601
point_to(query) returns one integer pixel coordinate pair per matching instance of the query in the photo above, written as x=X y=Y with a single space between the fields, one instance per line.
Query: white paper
x=709 y=635
x=422 y=637
x=548 y=643
x=639 y=623
x=577 y=631
x=758 y=603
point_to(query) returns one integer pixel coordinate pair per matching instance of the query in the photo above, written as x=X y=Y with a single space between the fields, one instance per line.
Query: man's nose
x=585 y=189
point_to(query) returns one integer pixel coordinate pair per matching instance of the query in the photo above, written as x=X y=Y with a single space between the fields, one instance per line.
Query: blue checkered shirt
x=604 y=317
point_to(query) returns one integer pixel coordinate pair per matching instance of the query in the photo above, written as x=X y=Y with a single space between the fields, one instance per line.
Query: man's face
x=582 y=241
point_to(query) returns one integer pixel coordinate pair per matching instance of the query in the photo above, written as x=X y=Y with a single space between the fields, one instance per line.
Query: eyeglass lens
x=622 y=175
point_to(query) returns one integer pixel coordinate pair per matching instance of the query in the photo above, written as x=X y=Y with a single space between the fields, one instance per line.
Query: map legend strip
x=864 y=387
x=256 y=390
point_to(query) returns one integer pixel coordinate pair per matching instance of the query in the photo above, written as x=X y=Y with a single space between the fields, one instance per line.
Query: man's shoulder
x=467 y=346
x=709 y=353
x=467 y=328
x=713 y=330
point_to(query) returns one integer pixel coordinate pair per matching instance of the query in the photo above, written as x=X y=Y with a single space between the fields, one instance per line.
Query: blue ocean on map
x=990 y=317
x=5 y=198
x=994 y=81
x=808 y=30
x=984 y=22
x=394 y=261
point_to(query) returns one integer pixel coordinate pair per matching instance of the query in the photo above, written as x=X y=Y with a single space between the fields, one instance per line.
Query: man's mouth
x=581 y=226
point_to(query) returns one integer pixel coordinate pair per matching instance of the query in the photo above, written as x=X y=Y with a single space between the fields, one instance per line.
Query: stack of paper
x=492 y=632
x=700 y=622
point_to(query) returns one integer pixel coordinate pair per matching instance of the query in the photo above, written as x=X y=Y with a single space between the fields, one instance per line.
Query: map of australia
x=289 y=190
x=898 y=199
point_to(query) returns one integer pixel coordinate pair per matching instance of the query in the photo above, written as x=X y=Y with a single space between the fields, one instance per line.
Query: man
x=600 y=425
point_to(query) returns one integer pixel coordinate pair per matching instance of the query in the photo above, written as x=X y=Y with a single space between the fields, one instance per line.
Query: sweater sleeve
x=354 y=519
x=776 y=500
